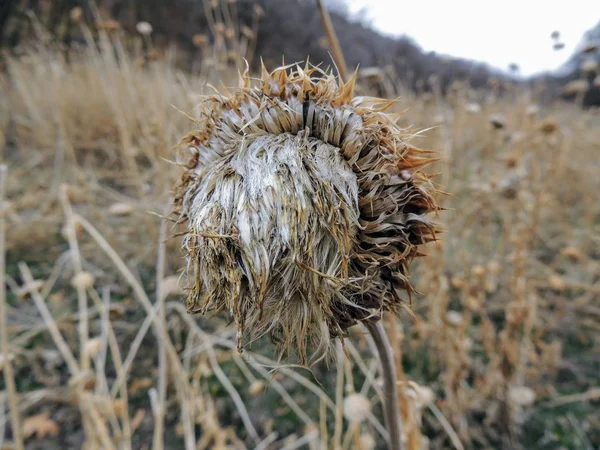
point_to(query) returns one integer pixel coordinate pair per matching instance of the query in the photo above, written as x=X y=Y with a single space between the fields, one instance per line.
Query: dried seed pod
x=229 y=33
x=219 y=28
x=473 y=108
x=521 y=395
x=497 y=121
x=76 y=14
x=247 y=32
x=144 y=28
x=356 y=408
x=304 y=208
x=575 y=87
x=589 y=65
x=549 y=126
x=258 y=11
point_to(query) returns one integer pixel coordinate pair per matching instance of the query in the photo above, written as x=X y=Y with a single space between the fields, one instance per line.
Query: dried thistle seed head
x=247 y=32
x=258 y=11
x=229 y=33
x=219 y=28
x=473 y=108
x=76 y=14
x=497 y=121
x=575 y=87
x=521 y=395
x=549 y=126
x=303 y=207
x=589 y=65
x=357 y=407
x=144 y=28
x=200 y=40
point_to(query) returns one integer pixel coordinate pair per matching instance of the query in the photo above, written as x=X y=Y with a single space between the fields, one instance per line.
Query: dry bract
x=303 y=207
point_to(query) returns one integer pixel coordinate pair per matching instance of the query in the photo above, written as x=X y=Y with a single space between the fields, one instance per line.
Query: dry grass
x=503 y=349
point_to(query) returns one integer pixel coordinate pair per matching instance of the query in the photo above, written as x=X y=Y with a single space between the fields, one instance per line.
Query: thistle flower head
x=304 y=207
x=144 y=28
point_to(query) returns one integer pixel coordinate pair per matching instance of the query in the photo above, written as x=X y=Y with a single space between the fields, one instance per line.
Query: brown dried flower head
x=304 y=207
x=144 y=28
x=76 y=14
x=589 y=65
x=575 y=87
x=247 y=32
x=200 y=40
x=590 y=48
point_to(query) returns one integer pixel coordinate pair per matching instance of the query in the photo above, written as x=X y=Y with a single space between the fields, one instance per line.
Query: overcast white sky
x=497 y=32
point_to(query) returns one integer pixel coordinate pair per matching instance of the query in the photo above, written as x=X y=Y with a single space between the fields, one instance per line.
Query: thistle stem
x=391 y=409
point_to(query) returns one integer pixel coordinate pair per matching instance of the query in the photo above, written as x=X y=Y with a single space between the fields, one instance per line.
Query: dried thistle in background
x=304 y=207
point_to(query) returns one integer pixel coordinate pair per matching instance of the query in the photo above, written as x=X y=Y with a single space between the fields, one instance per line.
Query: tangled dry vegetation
x=500 y=347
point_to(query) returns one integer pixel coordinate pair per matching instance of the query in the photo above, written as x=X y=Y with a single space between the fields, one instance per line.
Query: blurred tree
x=290 y=28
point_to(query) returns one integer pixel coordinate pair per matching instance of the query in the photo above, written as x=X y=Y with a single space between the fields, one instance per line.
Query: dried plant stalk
x=7 y=368
x=393 y=420
x=304 y=207
x=338 y=55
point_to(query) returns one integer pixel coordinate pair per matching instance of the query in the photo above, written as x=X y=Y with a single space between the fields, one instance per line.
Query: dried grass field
x=499 y=349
